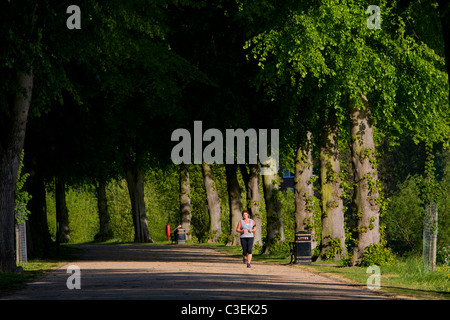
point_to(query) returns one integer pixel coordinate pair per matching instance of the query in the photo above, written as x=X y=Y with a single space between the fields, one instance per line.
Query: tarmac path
x=183 y=272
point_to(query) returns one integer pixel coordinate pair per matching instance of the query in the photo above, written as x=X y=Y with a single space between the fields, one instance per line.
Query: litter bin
x=302 y=248
x=180 y=236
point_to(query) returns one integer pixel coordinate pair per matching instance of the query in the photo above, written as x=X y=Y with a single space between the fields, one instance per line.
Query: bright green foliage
x=334 y=248
x=405 y=212
x=162 y=202
x=443 y=256
x=377 y=254
x=119 y=207
x=327 y=53
x=21 y=196
x=405 y=216
x=83 y=217
x=200 y=215
x=134 y=72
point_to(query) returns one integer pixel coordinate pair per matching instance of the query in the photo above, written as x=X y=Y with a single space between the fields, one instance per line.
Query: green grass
x=32 y=270
x=257 y=256
x=405 y=277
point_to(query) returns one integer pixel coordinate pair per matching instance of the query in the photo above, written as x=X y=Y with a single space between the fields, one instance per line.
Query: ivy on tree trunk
x=333 y=232
x=366 y=192
x=234 y=197
x=215 y=225
x=251 y=181
x=11 y=144
x=303 y=186
x=275 y=226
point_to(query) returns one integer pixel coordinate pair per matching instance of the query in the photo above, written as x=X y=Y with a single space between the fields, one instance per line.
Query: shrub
x=347 y=260
x=377 y=254
x=443 y=256
x=404 y=217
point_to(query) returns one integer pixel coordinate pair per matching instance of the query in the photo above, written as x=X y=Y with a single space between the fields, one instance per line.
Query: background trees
x=363 y=78
x=33 y=48
x=361 y=113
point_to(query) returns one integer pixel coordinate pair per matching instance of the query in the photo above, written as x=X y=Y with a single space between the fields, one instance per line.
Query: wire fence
x=430 y=231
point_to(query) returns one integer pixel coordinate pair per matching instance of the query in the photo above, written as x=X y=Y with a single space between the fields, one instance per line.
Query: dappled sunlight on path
x=139 y=272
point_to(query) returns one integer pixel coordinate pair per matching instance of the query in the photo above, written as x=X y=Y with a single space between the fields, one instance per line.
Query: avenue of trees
x=86 y=118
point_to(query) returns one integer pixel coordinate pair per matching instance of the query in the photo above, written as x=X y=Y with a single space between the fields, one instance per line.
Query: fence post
x=430 y=231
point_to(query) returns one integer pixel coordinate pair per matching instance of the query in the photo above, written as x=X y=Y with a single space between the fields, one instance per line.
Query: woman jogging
x=246 y=227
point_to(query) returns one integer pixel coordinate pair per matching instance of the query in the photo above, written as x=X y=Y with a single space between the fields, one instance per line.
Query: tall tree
x=329 y=45
x=21 y=41
x=303 y=184
x=234 y=197
x=39 y=242
x=185 y=200
x=366 y=193
x=62 y=212
x=11 y=144
x=333 y=232
x=37 y=45
x=135 y=183
x=251 y=181
x=211 y=36
x=275 y=226
x=104 y=232
x=142 y=82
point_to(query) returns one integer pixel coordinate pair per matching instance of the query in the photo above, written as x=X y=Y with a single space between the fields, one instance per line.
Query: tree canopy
x=347 y=83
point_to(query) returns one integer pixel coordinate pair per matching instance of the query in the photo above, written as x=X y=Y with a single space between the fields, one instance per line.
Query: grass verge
x=404 y=278
x=10 y=282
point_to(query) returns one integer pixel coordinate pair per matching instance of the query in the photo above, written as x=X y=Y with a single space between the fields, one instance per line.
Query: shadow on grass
x=403 y=287
x=36 y=268
x=418 y=293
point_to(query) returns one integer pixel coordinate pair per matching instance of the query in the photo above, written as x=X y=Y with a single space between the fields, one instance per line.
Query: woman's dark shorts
x=247 y=245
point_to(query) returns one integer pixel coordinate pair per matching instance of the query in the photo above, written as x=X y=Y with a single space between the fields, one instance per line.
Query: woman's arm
x=254 y=227
x=238 y=229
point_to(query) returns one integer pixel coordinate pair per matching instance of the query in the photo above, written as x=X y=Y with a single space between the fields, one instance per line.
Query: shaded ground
x=176 y=272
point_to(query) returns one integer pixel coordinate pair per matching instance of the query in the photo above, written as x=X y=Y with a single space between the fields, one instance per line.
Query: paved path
x=176 y=272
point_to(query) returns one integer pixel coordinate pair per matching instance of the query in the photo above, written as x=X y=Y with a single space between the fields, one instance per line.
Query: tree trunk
x=365 y=196
x=275 y=228
x=8 y=176
x=215 y=225
x=234 y=196
x=103 y=215
x=253 y=198
x=62 y=213
x=185 y=200
x=333 y=232
x=303 y=187
x=135 y=183
x=39 y=241
x=11 y=144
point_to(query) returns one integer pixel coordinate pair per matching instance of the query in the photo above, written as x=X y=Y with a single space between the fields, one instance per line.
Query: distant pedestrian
x=246 y=227
x=175 y=232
